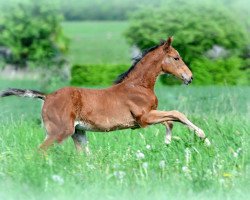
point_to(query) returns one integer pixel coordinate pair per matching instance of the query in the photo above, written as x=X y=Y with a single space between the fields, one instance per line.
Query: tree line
x=212 y=36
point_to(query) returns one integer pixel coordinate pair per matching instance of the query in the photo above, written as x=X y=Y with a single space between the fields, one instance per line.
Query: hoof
x=200 y=133
x=207 y=142
x=167 y=140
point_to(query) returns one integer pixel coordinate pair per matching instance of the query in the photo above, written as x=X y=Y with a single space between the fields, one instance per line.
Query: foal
x=130 y=103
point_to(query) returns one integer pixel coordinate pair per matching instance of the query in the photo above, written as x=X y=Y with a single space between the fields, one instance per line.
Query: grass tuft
x=133 y=164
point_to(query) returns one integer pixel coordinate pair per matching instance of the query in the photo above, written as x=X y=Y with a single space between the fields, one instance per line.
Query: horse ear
x=168 y=43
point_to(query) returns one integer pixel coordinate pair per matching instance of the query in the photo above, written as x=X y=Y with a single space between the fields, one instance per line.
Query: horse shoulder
x=141 y=102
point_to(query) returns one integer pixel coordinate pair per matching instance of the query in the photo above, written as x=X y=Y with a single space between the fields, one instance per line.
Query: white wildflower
x=185 y=169
x=90 y=166
x=148 y=147
x=219 y=166
x=176 y=138
x=49 y=161
x=187 y=156
x=238 y=150
x=116 y=166
x=145 y=165
x=236 y=154
x=209 y=173
x=207 y=142
x=58 y=179
x=140 y=155
x=162 y=164
x=222 y=181
x=119 y=174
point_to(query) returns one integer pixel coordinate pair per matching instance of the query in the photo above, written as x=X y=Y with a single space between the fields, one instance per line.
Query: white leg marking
x=168 y=135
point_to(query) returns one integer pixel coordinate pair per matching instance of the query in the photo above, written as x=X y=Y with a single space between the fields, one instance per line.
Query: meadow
x=132 y=164
x=97 y=42
x=128 y=164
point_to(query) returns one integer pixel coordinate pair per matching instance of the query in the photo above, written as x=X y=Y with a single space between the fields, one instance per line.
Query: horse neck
x=146 y=71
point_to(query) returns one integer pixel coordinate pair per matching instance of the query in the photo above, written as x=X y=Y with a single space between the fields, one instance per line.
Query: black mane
x=137 y=59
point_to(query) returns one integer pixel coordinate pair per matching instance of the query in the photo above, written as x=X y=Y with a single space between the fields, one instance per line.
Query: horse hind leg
x=50 y=137
x=56 y=132
x=49 y=140
x=80 y=141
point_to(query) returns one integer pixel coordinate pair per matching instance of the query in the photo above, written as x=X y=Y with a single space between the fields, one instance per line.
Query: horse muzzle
x=186 y=79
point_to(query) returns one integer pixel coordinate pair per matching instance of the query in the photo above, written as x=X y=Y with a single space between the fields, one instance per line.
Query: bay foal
x=130 y=103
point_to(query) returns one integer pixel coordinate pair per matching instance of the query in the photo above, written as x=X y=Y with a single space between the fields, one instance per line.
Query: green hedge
x=229 y=71
x=96 y=74
x=204 y=27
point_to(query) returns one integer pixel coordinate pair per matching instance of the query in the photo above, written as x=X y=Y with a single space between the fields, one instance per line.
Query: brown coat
x=131 y=103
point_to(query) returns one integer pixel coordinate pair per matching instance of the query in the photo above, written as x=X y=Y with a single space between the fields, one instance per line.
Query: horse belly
x=106 y=116
x=105 y=124
x=111 y=124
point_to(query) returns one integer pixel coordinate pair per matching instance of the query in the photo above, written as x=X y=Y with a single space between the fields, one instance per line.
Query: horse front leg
x=156 y=116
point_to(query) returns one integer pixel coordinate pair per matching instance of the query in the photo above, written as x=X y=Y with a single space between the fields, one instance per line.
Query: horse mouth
x=187 y=81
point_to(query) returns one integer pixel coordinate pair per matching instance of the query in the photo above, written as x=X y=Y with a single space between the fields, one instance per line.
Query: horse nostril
x=190 y=80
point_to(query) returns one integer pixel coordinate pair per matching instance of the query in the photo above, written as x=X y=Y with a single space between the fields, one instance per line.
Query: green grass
x=112 y=171
x=97 y=42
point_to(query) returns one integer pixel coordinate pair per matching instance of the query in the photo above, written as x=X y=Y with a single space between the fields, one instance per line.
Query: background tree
x=200 y=32
x=32 y=32
x=196 y=30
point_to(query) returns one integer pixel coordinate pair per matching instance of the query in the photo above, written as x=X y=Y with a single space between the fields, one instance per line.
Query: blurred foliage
x=198 y=30
x=33 y=33
x=221 y=71
x=96 y=74
x=31 y=29
x=54 y=78
x=101 y=9
x=120 y=10
x=75 y=10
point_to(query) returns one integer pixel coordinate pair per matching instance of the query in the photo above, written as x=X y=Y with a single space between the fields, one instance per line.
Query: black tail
x=22 y=93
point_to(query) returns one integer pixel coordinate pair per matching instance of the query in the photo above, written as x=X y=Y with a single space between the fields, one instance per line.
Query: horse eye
x=176 y=58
